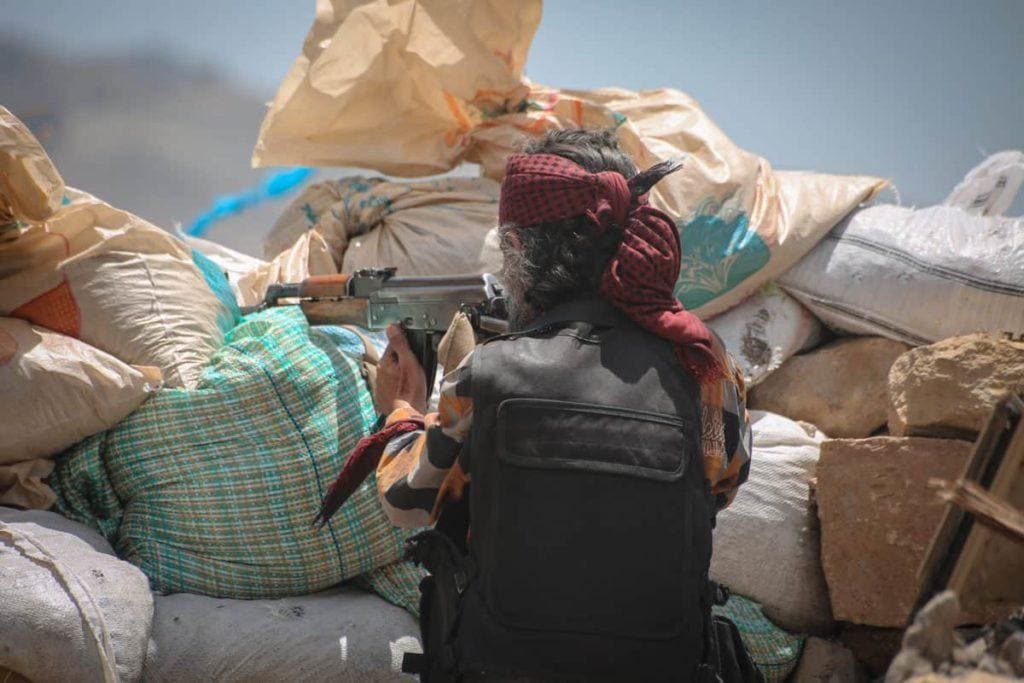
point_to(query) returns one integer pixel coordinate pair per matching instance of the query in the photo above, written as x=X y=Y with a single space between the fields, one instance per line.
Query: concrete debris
x=929 y=641
x=932 y=645
x=971 y=677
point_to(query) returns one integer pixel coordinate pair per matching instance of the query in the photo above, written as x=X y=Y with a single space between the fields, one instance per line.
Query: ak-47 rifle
x=375 y=298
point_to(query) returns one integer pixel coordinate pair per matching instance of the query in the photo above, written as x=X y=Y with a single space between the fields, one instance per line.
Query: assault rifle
x=375 y=298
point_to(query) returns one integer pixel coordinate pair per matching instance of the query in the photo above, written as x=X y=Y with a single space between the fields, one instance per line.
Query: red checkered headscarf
x=641 y=276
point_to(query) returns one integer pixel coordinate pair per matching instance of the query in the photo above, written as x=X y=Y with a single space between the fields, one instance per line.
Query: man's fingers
x=400 y=377
x=398 y=342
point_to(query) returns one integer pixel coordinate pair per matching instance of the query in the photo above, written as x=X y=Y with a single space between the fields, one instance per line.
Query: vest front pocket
x=596 y=520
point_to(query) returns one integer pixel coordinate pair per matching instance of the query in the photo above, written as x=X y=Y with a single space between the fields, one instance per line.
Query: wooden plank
x=955 y=538
x=987 y=576
x=986 y=508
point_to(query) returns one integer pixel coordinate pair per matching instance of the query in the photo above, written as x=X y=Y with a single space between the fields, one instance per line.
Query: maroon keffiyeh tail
x=360 y=463
x=641 y=276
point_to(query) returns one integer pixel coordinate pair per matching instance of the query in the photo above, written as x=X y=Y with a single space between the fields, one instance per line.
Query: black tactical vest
x=591 y=515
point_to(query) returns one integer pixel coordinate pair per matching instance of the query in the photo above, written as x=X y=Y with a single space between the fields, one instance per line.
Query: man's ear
x=513 y=240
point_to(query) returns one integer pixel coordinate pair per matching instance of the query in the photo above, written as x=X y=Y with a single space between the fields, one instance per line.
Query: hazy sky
x=913 y=90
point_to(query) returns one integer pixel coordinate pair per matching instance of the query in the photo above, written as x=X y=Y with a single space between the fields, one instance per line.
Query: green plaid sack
x=776 y=652
x=213 y=490
x=398 y=583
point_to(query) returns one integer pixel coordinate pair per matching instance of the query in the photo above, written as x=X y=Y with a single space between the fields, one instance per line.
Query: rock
x=878 y=516
x=972 y=677
x=1012 y=652
x=825 y=661
x=971 y=654
x=949 y=388
x=934 y=651
x=873 y=647
x=932 y=633
x=929 y=642
x=840 y=387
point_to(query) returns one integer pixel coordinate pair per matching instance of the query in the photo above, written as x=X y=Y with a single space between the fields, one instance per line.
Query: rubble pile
x=934 y=649
x=876 y=499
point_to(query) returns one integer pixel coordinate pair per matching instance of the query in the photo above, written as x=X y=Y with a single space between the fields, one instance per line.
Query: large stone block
x=949 y=388
x=841 y=388
x=878 y=516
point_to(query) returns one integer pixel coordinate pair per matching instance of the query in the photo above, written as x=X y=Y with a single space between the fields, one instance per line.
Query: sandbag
x=434 y=83
x=895 y=271
x=342 y=634
x=775 y=651
x=766 y=544
x=213 y=491
x=57 y=523
x=68 y=611
x=435 y=227
x=741 y=223
x=24 y=484
x=248 y=277
x=64 y=390
x=118 y=283
x=764 y=331
x=232 y=264
x=31 y=189
x=308 y=256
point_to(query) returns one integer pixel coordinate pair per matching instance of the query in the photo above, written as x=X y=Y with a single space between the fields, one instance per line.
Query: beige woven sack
x=30 y=187
x=416 y=87
x=99 y=274
x=58 y=391
x=432 y=227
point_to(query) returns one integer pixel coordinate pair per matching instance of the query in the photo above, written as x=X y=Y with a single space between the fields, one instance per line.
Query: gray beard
x=517 y=283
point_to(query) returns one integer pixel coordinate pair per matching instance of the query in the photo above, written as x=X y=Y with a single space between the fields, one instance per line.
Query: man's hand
x=401 y=382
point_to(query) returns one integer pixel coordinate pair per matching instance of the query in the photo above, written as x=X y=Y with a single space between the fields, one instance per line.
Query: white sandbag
x=342 y=634
x=60 y=390
x=923 y=275
x=434 y=227
x=58 y=523
x=989 y=188
x=764 y=331
x=67 y=611
x=766 y=544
